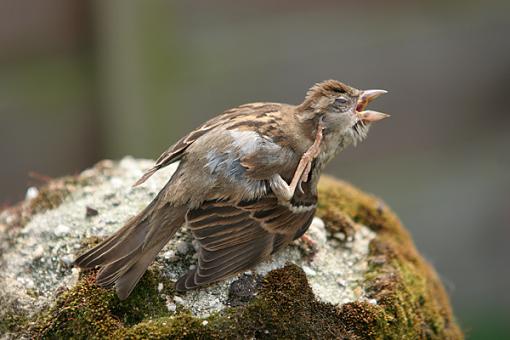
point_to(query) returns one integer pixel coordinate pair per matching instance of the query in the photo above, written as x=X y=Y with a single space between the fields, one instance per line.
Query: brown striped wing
x=234 y=238
x=238 y=115
x=175 y=152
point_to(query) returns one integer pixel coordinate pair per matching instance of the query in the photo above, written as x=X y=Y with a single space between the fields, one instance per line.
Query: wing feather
x=176 y=151
x=225 y=120
x=235 y=237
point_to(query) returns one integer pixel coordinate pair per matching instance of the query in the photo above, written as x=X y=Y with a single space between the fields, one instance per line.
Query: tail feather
x=120 y=243
x=109 y=273
x=127 y=282
x=125 y=256
x=115 y=246
x=107 y=281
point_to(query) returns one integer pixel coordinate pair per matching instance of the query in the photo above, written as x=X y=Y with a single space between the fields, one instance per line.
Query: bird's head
x=342 y=110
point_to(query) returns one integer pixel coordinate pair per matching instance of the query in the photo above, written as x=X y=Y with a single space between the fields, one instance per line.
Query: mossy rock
x=403 y=297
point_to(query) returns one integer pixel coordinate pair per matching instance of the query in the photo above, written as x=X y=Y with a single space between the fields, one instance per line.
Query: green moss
x=411 y=302
x=284 y=307
x=79 y=313
x=15 y=321
x=364 y=320
x=88 y=309
x=145 y=302
x=182 y=327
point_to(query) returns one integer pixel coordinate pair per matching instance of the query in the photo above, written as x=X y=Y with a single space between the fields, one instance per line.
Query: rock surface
x=360 y=277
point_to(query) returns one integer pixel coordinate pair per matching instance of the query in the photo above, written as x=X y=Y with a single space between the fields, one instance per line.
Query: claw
x=305 y=164
x=306 y=173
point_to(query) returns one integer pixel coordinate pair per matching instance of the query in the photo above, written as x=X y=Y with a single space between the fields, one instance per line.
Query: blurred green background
x=85 y=80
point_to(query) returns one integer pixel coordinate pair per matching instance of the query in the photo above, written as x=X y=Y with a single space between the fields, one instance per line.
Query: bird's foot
x=284 y=191
x=309 y=241
x=308 y=246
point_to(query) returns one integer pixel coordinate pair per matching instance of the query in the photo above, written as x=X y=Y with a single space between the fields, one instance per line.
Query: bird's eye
x=341 y=101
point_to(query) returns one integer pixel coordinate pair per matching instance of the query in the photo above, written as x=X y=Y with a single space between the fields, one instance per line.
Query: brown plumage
x=246 y=186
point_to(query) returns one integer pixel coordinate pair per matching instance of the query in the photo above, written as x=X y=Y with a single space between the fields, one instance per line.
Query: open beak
x=369 y=116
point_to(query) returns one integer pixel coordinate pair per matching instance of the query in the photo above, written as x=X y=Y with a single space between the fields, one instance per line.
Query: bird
x=245 y=185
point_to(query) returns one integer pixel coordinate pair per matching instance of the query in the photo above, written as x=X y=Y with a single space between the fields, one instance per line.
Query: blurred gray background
x=85 y=80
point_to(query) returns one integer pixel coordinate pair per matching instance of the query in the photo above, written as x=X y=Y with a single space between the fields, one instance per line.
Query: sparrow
x=245 y=185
